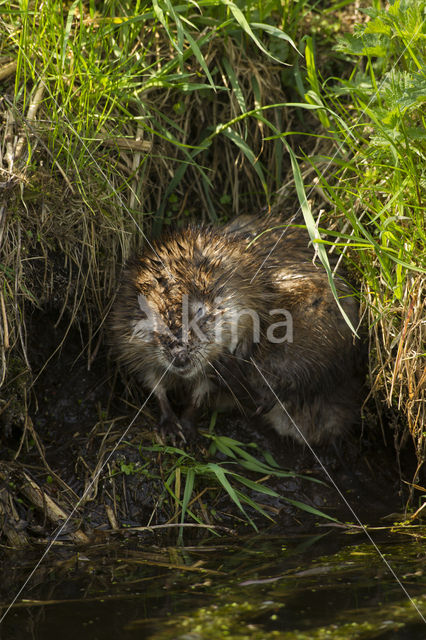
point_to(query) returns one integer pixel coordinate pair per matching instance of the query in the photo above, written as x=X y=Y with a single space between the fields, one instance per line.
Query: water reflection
x=332 y=585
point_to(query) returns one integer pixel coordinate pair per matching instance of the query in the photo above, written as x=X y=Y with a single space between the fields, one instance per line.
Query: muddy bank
x=86 y=449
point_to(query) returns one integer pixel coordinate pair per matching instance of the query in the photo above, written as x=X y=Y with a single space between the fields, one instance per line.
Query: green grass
x=239 y=473
x=140 y=71
x=130 y=116
x=374 y=177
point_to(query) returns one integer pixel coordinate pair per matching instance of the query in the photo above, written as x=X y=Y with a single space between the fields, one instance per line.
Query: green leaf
x=235 y=84
x=189 y=486
x=161 y=17
x=200 y=58
x=313 y=231
x=254 y=505
x=168 y=450
x=309 y=509
x=256 y=486
x=67 y=30
x=223 y=448
x=370 y=45
x=270 y=459
x=241 y=19
x=248 y=152
x=377 y=25
x=220 y=474
x=276 y=33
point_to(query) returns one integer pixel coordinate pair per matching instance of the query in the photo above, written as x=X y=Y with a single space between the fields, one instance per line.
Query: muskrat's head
x=179 y=306
x=181 y=328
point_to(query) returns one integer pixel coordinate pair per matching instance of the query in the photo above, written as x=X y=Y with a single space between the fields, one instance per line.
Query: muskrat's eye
x=219 y=303
x=199 y=312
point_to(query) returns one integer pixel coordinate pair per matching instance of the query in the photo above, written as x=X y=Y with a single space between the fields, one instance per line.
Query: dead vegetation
x=397 y=372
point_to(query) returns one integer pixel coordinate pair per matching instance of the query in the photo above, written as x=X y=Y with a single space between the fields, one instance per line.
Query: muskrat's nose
x=180 y=358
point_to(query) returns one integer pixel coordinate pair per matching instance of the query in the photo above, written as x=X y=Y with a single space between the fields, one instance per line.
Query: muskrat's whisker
x=243 y=386
x=237 y=402
x=232 y=356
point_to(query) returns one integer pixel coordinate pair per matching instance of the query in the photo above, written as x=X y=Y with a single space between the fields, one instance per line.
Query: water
x=330 y=585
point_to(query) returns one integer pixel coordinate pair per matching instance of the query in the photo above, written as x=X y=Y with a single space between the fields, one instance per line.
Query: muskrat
x=240 y=315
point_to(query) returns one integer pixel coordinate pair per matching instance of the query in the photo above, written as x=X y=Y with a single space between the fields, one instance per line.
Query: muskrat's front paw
x=176 y=429
x=169 y=427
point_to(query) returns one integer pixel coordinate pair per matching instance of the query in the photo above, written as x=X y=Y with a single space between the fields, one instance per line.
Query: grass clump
x=187 y=479
x=375 y=178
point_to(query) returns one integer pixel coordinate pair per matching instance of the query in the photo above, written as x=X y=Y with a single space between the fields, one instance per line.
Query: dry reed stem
x=54 y=513
x=111 y=517
x=399 y=374
x=31 y=115
x=136 y=144
x=8 y=70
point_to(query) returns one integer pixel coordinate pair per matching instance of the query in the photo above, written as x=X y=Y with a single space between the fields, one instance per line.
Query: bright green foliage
x=394 y=35
x=182 y=469
x=380 y=166
x=376 y=178
x=106 y=68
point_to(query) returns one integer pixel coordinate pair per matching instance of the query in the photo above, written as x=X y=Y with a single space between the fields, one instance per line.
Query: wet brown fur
x=313 y=377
